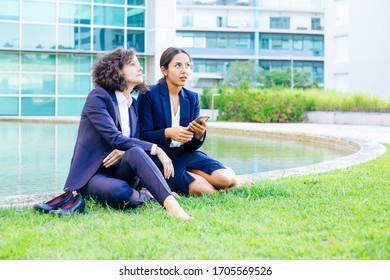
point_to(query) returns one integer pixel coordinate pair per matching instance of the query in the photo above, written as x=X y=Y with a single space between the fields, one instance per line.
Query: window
x=211 y=40
x=221 y=21
x=9 y=62
x=316 y=24
x=39 y=11
x=265 y=42
x=38 y=106
x=277 y=42
x=187 y=21
x=280 y=22
x=121 y=2
x=108 y=16
x=9 y=35
x=74 y=13
x=136 y=2
x=74 y=84
x=38 y=36
x=38 y=62
x=211 y=65
x=38 y=84
x=136 y=40
x=70 y=106
x=136 y=17
x=215 y=40
x=108 y=39
x=286 y=42
x=318 y=46
x=9 y=83
x=8 y=106
x=74 y=63
x=298 y=43
x=74 y=38
x=9 y=10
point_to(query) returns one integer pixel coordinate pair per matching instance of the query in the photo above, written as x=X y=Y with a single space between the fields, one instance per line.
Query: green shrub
x=282 y=104
x=205 y=98
x=330 y=100
x=262 y=105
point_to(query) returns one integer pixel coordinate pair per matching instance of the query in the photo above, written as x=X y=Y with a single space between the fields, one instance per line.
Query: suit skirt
x=185 y=161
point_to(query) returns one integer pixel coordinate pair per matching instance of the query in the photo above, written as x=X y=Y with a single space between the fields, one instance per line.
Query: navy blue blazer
x=154 y=109
x=99 y=134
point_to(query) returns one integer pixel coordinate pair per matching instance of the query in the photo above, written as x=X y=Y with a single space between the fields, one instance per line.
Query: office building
x=47 y=47
x=273 y=34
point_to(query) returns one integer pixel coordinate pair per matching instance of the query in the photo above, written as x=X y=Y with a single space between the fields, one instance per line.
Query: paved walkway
x=365 y=139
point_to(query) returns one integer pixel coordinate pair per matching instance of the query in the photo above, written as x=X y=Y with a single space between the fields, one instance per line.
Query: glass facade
x=315 y=67
x=217 y=2
x=211 y=65
x=47 y=48
x=294 y=44
x=223 y=42
x=272 y=45
x=267 y=32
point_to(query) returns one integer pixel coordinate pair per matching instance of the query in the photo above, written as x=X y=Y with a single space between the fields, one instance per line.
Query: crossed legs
x=136 y=162
x=204 y=183
x=115 y=189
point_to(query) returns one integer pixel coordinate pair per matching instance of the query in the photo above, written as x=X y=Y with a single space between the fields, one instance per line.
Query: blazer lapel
x=134 y=125
x=184 y=109
x=166 y=104
x=117 y=119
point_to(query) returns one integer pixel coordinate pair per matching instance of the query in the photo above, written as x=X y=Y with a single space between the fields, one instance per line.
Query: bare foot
x=174 y=209
x=243 y=182
x=175 y=195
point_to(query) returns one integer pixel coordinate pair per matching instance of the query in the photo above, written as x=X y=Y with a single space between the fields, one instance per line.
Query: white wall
x=357 y=44
x=160 y=34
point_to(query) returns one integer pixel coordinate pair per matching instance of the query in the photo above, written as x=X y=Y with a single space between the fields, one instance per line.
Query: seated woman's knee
x=134 y=151
x=201 y=186
x=222 y=179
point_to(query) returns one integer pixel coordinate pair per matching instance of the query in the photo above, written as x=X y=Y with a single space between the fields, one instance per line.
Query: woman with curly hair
x=109 y=159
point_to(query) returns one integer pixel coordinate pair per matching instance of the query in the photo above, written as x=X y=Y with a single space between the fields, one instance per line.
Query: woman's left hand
x=113 y=158
x=166 y=162
x=199 y=128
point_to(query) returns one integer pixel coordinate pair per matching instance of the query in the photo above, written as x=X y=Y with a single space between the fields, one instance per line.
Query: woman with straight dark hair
x=168 y=115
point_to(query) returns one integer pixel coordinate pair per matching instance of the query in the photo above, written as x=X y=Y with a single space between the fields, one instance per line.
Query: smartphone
x=205 y=118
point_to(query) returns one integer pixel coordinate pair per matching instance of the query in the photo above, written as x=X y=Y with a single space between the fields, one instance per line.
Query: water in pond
x=35 y=157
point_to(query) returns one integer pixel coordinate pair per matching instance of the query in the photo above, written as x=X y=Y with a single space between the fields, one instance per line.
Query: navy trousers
x=116 y=187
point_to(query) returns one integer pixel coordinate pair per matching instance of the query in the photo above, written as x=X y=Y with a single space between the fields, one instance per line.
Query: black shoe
x=146 y=197
x=55 y=203
x=77 y=204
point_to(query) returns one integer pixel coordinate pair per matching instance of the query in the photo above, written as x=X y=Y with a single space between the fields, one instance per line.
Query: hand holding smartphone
x=205 y=118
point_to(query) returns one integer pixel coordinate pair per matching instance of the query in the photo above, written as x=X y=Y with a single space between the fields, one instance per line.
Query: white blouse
x=175 y=123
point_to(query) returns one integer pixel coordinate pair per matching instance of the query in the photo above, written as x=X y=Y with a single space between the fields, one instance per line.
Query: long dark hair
x=107 y=70
x=167 y=57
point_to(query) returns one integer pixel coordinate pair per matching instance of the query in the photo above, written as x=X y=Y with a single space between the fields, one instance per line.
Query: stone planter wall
x=356 y=118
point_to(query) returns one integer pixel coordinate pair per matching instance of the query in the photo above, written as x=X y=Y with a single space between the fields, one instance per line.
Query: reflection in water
x=248 y=155
x=35 y=157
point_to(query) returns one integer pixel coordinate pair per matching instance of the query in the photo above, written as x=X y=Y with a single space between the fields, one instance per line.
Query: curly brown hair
x=107 y=70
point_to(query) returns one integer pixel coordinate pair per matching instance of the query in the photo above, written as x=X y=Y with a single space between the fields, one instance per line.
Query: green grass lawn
x=342 y=214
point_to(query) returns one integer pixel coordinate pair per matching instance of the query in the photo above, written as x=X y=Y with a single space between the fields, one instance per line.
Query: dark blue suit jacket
x=99 y=134
x=154 y=109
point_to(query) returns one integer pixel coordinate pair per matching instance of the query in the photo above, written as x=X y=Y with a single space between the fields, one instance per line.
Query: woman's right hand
x=179 y=134
x=166 y=162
